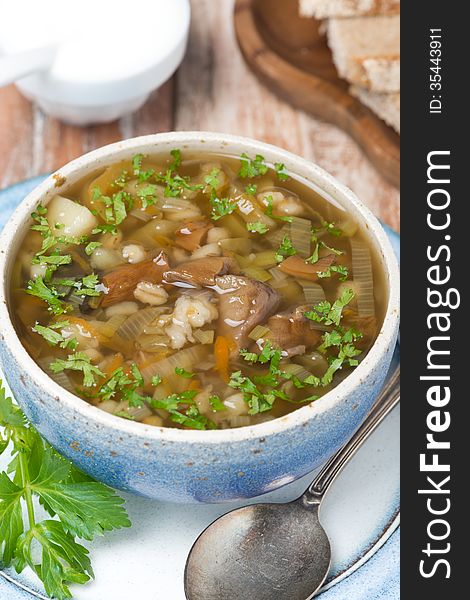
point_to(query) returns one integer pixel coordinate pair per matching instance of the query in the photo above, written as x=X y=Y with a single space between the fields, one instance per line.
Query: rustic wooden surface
x=291 y=56
x=213 y=90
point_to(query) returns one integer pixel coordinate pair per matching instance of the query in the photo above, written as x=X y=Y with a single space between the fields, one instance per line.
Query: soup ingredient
x=192 y=235
x=243 y=304
x=84 y=507
x=121 y=283
x=202 y=271
x=150 y=293
x=68 y=218
x=189 y=313
x=290 y=329
x=204 y=266
x=297 y=267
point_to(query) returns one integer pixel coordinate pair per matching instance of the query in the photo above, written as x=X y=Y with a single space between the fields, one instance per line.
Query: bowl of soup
x=195 y=317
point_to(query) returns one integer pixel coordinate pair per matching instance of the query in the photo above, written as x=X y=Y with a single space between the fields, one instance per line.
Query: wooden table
x=213 y=90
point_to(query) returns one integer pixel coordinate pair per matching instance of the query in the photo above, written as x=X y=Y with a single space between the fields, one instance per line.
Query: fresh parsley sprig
x=79 y=507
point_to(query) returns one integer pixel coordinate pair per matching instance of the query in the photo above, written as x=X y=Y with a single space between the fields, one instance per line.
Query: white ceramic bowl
x=195 y=466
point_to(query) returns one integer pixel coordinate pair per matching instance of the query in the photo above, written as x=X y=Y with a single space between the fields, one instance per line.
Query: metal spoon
x=280 y=551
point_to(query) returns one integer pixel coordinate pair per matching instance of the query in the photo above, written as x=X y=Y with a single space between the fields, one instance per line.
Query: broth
x=196 y=291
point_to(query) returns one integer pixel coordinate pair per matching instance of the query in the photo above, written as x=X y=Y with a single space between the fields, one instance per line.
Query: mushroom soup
x=196 y=292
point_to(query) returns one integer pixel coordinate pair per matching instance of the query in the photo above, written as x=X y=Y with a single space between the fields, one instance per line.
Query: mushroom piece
x=297 y=267
x=121 y=283
x=243 y=304
x=289 y=330
x=201 y=272
x=192 y=235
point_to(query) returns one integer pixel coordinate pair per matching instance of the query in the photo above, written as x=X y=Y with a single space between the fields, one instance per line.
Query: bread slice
x=366 y=50
x=386 y=106
x=325 y=9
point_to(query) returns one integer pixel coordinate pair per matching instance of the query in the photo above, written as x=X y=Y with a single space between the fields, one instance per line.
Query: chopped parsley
x=281 y=171
x=328 y=313
x=257 y=227
x=91 y=247
x=126 y=384
x=252 y=167
x=285 y=249
x=340 y=269
x=116 y=208
x=176 y=184
x=270 y=208
x=212 y=179
x=156 y=380
x=78 y=362
x=221 y=207
x=37 y=287
x=251 y=189
x=216 y=403
x=183 y=372
x=137 y=168
x=54 y=337
x=182 y=409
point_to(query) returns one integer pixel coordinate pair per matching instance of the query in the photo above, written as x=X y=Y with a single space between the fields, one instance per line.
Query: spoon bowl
x=267 y=550
x=281 y=551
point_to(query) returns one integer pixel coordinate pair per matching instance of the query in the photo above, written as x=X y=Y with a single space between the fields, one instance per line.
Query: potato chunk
x=77 y=220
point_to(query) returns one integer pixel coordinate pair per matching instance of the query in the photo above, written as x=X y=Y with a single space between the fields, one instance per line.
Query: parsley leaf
x=251 y=189
x=156 y=380
x=270 y=208
x=78 y=362
x=53 y=337
x=84 y=508
x=252 y=167
x=340 y=269
x=285 y=249
x=281 y=171
x=216 y=403
x=183 y=372
x=183 y=410
x=221 y=206
x=50 y=295
x=91 y=247
x=325 y=312
x=257 y=227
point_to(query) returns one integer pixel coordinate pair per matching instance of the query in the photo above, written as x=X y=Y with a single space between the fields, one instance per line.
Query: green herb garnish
x=91 y=247
x=281 y=171
x=54 y=337
x=38 y=288
x=78 y=362
x=340 y=269
x=251 y=189
x=257 y=227
x=183 y=410
x=252 y=167
x=124 y=384
x=270 y=208
x=216 y=403
x=329 y=314
x=183 y=372
x=84 y=508
x=285 y=249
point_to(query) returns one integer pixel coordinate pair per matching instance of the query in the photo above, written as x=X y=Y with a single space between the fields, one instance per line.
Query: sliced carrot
x=85 y=325
x=222 y=349
x=112 y=364
x=297 y=267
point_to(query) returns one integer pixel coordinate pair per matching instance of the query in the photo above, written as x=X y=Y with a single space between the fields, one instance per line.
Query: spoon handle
x=386 y=401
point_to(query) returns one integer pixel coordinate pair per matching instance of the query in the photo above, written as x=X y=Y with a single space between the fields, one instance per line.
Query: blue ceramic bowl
x=195 y=466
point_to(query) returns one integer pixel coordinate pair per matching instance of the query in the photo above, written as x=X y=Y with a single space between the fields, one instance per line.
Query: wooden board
x=290 y=55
